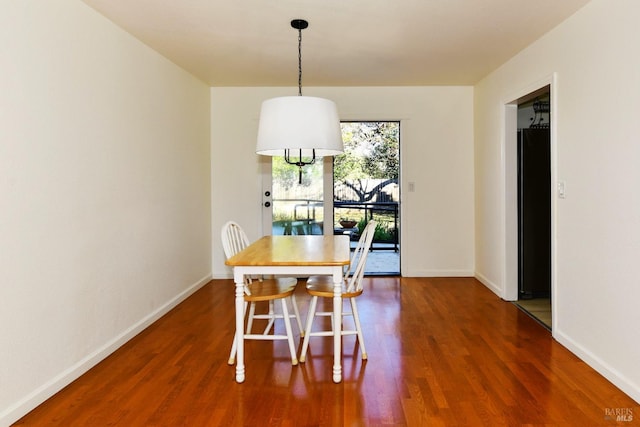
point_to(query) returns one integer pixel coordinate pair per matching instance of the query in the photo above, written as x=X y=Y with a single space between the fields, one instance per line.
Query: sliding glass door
x=340 y=195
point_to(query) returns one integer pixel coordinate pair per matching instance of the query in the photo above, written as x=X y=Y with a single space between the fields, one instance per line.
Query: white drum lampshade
x=297 y=123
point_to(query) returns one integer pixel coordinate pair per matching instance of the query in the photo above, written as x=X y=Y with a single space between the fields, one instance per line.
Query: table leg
x=337 y=326
x=239 y=281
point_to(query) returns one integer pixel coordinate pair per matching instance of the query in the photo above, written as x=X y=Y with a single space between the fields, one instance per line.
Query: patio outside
x=365 y=188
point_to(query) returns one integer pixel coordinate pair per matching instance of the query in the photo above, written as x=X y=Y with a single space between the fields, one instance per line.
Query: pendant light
x=300 y=128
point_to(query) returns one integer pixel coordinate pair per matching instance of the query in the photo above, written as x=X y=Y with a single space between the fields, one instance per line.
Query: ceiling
x=348 y=42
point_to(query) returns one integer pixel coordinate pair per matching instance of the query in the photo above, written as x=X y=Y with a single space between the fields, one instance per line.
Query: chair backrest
x=359 y=258
x=234 y=239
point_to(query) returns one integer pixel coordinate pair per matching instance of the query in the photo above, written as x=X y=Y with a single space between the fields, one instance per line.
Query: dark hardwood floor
x=442 y=352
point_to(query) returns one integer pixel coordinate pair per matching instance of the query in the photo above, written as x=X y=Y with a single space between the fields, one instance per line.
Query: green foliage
x=382 y=233
x=371 y=151
x=281 y=216
x=287 y=175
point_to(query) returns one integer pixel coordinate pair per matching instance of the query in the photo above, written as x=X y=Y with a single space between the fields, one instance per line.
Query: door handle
x=267 y=204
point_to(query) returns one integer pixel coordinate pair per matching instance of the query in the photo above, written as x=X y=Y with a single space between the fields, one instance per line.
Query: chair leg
x=307 y=332
x=234 y=346
x=356 y=320
x=287 y=326
x=272 y=319
x=252 y=312
x=297 y=314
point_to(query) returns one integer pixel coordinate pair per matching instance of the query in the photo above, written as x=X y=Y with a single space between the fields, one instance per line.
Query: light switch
x=412 y=187
x=561 y=190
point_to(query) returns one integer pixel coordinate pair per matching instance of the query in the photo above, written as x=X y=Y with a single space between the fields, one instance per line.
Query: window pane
x=297 y=207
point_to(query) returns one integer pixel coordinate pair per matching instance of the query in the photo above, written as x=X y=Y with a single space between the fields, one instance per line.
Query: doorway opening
x=534 y=205
x=340 y=195
x=366 y=187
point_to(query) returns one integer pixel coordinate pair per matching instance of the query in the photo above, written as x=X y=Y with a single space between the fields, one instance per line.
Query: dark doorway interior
x=534 y=213
x=534 y=207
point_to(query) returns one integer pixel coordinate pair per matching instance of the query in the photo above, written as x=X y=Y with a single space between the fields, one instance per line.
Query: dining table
x=297 y=256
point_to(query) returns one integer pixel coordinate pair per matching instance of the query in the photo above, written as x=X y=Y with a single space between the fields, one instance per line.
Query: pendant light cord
x=299 y=24
x=299 y=61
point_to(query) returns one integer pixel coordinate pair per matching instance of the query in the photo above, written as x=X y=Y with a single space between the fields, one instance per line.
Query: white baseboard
x=619 y=380
x=489 y=284
x=48 y=389
x=438 y=273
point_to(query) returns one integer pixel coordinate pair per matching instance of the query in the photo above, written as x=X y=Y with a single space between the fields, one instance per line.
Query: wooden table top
x=294 y=250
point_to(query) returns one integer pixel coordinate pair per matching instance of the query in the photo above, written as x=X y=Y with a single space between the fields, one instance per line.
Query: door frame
x=266 y=213
x=510 y=190
x=266 y=220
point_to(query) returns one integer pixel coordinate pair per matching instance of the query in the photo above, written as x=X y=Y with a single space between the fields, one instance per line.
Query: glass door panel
x=297 y=209
x=366 y=187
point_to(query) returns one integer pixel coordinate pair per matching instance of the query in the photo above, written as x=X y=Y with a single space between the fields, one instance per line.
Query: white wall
x=104 y=193
x=596 y=149
x=436 y=154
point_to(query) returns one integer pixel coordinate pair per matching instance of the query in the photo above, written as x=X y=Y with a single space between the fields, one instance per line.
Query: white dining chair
x=257 y=289
x=322 y=287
